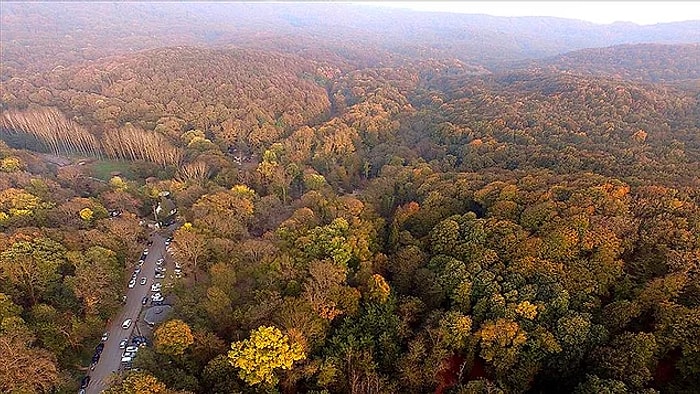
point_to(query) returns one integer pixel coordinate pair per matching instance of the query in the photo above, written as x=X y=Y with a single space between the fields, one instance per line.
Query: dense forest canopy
x=448 y=203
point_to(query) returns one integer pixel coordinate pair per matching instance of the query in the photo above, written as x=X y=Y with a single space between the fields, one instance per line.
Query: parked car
x=99 y=348
x=144 y=300
x=105 y=337
x=95 y=358
x=139 y=341
x=126 y=324
x=159 y=275
x=156 y=286
x=132 y=349
x=178 y=265
x=157 y=297
x=160 y=262
x=123 y=343
x=85 y=382
x=145 y=252
x=150 y=242
x=138 y=269
x=143 y=280
x=132 y=283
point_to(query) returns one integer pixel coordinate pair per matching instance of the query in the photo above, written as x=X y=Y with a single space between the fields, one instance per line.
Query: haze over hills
x=54 y=34
x=639 y=62
x=365 y=201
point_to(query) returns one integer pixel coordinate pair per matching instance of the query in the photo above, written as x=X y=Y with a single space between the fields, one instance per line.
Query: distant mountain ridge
x=45 y=35
x=655 y=63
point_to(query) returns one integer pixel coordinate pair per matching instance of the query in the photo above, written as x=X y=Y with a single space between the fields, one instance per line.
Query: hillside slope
x=640 y=62
x=45 y=35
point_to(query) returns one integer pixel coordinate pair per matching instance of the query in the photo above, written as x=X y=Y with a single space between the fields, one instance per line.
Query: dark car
x=85 y=382
x=138 y=341
x=95 y=358
x=150 y=242
x=99 y=348
x=144 y=301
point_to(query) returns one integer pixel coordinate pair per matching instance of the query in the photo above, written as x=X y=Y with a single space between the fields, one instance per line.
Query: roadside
x=112 y=360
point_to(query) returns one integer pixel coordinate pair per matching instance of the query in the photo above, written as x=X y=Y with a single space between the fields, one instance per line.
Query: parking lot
x=127 y=331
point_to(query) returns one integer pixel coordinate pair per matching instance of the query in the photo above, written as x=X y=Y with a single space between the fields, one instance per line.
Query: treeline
x=64 y=137
x=640 y=62
x=48 y=125
x=242 y=98
x=130 y=143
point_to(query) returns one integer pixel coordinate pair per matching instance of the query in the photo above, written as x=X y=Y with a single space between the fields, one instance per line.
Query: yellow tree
x=501 y=341
x=86 y=214
x=266 y=350
x=378 y=289
x=138 y=383
x=173 y=337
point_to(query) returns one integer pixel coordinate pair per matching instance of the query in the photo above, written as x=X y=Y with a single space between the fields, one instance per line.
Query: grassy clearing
x=102 y=168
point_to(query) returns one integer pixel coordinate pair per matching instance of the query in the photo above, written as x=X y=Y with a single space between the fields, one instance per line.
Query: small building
x=156 y=314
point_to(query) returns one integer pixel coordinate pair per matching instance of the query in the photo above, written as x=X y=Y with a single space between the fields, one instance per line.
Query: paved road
x=111 y=355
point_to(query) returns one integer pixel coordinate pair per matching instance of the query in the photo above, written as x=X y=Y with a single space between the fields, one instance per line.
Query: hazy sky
x=640 y=12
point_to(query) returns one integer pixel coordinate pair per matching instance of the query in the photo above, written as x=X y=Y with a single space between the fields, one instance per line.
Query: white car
x=177 y=265
x=123 y=343
x=105 y=337
x=145 y=252
x=143 y=280
x=157 y=297
x=126 y=324
x=132 y=283
x=160 y=262
x=159 y=275
x=156 y=287
x=132 y=349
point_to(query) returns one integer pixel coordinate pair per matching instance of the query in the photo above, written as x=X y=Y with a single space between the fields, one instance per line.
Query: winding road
x=111 y=355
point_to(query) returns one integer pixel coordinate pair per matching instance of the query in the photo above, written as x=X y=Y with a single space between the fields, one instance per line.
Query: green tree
x=190 y=248
x=97 y=279
x=33 y=266
x=23 y=367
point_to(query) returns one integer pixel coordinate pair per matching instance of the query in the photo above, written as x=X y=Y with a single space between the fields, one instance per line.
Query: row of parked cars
x=137 y=270
x=178 y=267
x=130 y=350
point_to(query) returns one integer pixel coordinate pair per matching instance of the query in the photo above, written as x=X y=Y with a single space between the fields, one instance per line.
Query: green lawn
x=102 y=168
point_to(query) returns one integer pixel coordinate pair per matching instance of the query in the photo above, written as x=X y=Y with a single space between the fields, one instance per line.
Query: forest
x=356 y=215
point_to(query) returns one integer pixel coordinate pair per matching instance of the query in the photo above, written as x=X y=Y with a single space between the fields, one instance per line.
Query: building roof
x=156 y=314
